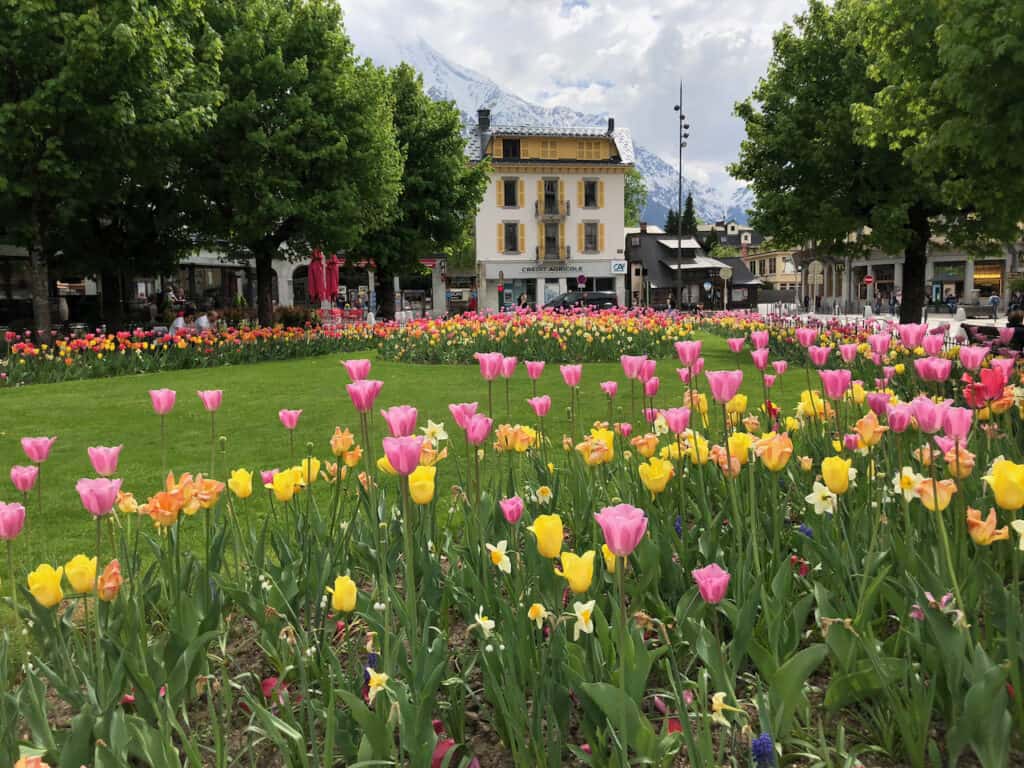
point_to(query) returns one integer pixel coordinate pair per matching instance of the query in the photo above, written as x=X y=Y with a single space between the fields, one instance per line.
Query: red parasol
x=333 y=264
x=315 y=277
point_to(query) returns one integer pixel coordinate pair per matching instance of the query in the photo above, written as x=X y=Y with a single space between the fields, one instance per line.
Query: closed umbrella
x=333 y=265
x=315 y=277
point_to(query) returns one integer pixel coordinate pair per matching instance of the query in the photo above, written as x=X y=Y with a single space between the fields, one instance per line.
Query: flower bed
x=729 y=579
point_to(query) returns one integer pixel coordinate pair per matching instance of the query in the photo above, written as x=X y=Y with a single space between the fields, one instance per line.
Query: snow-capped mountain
x=446 y=80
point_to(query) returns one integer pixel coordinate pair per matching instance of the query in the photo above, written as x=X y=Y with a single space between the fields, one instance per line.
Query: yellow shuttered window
x=561 y=196
x=501 y=237
x=580 y=191
x=540 y=194
x=580 y=237
x=600 y=194
x=561 y=240
x=600 y=238
x=501 y=193
x=540 y=240
x=496 y=147
x=522 y=238
x=522 y=193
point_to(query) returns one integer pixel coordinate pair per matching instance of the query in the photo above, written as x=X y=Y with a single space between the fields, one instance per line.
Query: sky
x=623 y=57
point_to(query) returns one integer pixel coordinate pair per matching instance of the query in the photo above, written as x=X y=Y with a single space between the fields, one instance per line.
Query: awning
x=696 y=262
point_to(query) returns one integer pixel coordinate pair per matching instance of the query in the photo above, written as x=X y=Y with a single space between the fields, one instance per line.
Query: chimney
x=643 y=227
x=483 y=120
x=611 y=125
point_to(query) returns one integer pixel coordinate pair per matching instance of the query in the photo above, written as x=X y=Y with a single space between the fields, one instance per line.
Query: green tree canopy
x=636 y=197
x=303 y=153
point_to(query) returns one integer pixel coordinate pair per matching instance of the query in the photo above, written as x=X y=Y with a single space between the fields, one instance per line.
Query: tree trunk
x=915 y=257
x=386 y=299
x=39 y=284
x=265 y=288
x=113 y=301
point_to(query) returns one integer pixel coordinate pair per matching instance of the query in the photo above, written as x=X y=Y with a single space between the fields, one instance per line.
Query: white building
x=552 y=217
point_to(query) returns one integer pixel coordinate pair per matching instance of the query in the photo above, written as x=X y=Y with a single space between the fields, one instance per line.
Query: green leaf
x=786 y=689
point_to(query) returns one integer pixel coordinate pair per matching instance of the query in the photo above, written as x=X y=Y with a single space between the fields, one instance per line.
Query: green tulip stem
x=10 y=573
x=620 y=567
x=96 y=591
x=163 y=449
x=213 y=443
x=410 y=568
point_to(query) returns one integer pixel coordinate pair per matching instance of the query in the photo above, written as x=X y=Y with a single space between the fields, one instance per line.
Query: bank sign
x=538 y=269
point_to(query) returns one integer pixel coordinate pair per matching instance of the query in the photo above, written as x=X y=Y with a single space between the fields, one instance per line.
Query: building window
x=511 y=237
x=771 y=266
x=588 y=150
x=548 y=149
x=550 y=197
x=511 y=193
x=590 y=237
x=551 y=241
x=590 y=194
x=510 y=149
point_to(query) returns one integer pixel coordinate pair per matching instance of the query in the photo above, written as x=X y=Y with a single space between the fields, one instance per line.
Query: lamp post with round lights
x=684 y=134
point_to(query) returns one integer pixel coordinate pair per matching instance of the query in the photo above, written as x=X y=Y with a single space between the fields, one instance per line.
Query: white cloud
x=567 y=52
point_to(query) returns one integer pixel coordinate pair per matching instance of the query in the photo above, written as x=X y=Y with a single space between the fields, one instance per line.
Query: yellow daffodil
x=240 y=483
x=578 y=570
x=421 y=484
x=44 y=584
x=377 y=682
x=81 y=573
x=584 y=618
x=718 y=706
x=549 y=532
x=343 y=594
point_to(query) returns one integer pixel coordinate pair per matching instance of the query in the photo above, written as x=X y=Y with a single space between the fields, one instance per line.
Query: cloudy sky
x=624 y=57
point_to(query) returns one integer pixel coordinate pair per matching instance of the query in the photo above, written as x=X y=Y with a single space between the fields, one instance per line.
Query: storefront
x=543 y=281
x=948 y=280
x=988 y=278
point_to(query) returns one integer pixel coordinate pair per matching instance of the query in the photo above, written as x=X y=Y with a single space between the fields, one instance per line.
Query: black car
x=590 y=299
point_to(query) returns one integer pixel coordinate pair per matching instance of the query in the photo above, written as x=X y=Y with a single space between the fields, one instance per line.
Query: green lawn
x=117 y=411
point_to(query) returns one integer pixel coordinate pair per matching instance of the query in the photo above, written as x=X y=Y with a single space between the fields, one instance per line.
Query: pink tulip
x=698 y=366
x=819 y=355
x=928 y=414
x=462 y=413
x=403 y=453
x=677 y=419
x=24 y=478
x=684 y=375
x=651 y=386
x=37 y=448
x=478 y=428
x=541 y=405
x=625 y=429
x=534 y=368
x=933 y=343
x=911 y=334
x=933 y=368
x=971 y=358
x=104 y=460
x=12 y=520
x=724 y=384
x=848 y=352
x=98 y=494
x=490 y=364
x=508 y=366
x=623 y=527
x=760 y=358
x=512 y=509
x=957 y=422
x=879 y=343
x=647 y=369
x=610 y=388
x=401 y=420
x=769 y=381
x=851 y=441
x=899 y=416
x=631 y=365
x=650 y=415
x=806 y=336
x=835 y=383
x=712 y=581
x=1006 y=335
x=363 y=393
x=736 y=344
x=688 y=352
x=780 y=367
x=759 y=339
x=211 y=398
x=1002 y=364
x=357 y=370
x=267 y=475
x=289 y=418
x=889 y=371
x=163 y=400
x=878 y=402
x=571 y=374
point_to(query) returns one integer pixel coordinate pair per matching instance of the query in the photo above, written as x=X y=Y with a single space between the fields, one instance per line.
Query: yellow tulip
x=421 y=484
x=737 y=406
x=81 y=573
x=353 y=457
x=609 y=558
x=1006 y=479
x=44 y=584
x=384 y=465
x=341 y=442
x=549 y=532
x=739 y=446
x=240 y=483
x=774 y=451
x=578 y=570
x=284 y=486
x=697 y=448
x=655 y=474
x=835 y=471
x=792 y=425
x=343 y=594
x=309 y=470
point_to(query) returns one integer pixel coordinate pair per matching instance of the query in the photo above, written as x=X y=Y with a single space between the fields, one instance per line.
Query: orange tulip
x=983 y=531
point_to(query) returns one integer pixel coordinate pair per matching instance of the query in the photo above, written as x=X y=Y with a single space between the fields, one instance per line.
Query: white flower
x=660 y=425
x=489 y=648
x=434 y=432
x=1018 y=527
x=379 y=606
x=485 y=624
x=822 y=499
x=584 y=618
x=499 y=557
x=906 y=483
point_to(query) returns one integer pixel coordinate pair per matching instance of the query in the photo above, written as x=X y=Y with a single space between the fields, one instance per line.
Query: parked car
x=591 y=299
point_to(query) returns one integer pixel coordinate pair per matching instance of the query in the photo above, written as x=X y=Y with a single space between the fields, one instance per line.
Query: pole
x=679 y=209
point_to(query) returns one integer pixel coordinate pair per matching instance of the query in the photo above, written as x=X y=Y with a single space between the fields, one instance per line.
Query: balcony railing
x=559 y=254
x=551 y=210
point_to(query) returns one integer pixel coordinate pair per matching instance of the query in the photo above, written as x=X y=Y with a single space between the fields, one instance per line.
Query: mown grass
x=118 y=411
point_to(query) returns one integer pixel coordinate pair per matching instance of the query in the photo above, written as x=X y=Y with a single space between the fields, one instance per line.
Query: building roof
x=696 y=262
x=673 y=243
x=477 y=140
x=652 y=229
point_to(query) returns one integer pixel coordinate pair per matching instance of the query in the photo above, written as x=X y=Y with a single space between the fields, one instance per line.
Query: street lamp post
x=684 y=127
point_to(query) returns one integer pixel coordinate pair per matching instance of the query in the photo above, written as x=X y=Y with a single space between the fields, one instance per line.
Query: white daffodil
x=584 y=618
x=822 y=499
x=1018 y=527
x=906 y=483
x=434 y=432
x=537 y=614
x=485 y=624
x=499 y=556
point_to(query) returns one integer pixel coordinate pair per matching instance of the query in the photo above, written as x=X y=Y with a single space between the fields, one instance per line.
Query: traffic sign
x=725 y=273
x=868 y=279
x=581 y=280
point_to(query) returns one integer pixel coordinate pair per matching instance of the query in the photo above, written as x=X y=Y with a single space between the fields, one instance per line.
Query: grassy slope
x=113 y=411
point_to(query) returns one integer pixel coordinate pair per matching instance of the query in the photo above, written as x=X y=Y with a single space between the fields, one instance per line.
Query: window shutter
x=501 y=237
x=561 y=239
x=580 y=237
x=522 y=238
x=540 y=194
x=540 y=239
x=501 y=193
x=561 y=194
x=600 y=238
x=600 y=194
x=496 y=147
x=522 y=193
x=580 y=186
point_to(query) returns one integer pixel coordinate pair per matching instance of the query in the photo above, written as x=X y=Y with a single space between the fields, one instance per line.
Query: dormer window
x=510 y=149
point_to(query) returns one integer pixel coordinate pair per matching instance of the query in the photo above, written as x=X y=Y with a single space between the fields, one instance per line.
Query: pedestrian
x=993 y=301
x=807 y=303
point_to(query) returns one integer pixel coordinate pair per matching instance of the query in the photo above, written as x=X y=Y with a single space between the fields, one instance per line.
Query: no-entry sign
x=868 y=279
